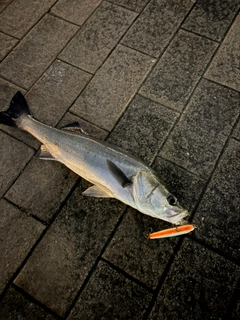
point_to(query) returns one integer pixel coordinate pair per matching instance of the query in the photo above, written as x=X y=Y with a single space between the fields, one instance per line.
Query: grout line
x=94 y=265
x=127 y=275
x=235 y=138
x=22 y=210
x=207 y=183
x=200 y=35
x=74 y=66
x=31 y=299
x=124 y=7
x=55 y=15
x=21 y=141
x=12 y=82
x=20 y=173
x=56 y=56
x=11 y=36
x=50 y=62
x=142 y=94
x=148 y=73
x=68 y=109
x=93 y=75
x=213 y=171
x=182 y=168
x=171 y=261
x=6 y=6
x=16 y=273
x=214 y=250
x=33 y=25
x=163 y=278
x=220 y=84
x=88 y=122
x=234 y=301
x=140 y=51
x=189 y=98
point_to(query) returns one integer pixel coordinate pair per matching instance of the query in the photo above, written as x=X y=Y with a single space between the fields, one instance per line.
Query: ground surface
x=161 y=79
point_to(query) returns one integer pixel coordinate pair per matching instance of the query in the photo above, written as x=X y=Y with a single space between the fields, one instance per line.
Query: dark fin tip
x=74 y=127
x=18 y=107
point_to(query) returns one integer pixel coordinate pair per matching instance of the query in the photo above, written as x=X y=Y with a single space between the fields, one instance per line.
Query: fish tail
x=17 y=110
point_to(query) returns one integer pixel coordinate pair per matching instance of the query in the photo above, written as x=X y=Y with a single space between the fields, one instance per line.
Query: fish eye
x=172 y=200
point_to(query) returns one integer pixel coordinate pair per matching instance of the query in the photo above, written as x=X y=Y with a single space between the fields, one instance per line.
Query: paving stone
x=53 y=94
x=199 y=285
x=25 y=64
x=176 y=74
x=20 y=16
x=42 y=187
x=217 y=217
x=76 y=11
x=7 y=43
x=136 y=5
x=198 y=138
x=109 y=295
x=88 y=127
x=7 y=90
x=18 y=234
x=143 y=128
x=225 y=65
x=16 y=307
x=236 y=132
x=123 y=251
x=99 y=35
x=156 y=25
x=212 y=18
x=14 y=156
x=142 y=258
x=112 y=88
x=70 y=248
x=4 y=4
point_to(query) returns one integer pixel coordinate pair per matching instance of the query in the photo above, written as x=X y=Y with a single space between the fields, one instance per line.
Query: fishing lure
x=172 y=232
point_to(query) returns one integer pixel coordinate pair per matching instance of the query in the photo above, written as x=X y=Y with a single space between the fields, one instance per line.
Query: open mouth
x=176 y=217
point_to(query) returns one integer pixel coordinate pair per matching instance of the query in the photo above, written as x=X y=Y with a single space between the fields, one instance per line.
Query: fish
x=113 y=172
x=172 y=232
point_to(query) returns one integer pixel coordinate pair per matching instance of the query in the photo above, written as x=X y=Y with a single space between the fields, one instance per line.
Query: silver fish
x=113 y=172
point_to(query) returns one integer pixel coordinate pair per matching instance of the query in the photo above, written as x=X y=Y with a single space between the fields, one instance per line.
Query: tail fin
x=18 y=107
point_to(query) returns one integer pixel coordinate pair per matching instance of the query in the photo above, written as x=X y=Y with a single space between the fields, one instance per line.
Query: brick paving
x=160 y=79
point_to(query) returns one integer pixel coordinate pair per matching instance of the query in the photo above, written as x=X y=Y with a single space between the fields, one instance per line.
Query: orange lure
x=172 y=232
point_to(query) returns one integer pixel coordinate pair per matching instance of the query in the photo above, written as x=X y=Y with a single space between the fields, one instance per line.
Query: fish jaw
x=174 y=217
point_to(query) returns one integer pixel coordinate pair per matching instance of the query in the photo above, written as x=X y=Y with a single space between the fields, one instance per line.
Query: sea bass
x=113 y=172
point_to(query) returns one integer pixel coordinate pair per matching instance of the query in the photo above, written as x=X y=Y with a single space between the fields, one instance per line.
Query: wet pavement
x=160 y=79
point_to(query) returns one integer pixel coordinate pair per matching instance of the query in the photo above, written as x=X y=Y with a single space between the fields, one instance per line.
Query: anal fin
x=97 y=192
x=44 y=154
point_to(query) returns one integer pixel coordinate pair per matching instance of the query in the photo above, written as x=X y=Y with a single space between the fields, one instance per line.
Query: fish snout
x=176 y=217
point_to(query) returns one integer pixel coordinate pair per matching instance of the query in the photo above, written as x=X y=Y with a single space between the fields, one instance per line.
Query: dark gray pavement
x=161 y=79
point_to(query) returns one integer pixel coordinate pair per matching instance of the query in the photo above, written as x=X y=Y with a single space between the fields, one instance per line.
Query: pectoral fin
x=74 y=127
x=95 y=191
x=117 y=173
x=44 y=154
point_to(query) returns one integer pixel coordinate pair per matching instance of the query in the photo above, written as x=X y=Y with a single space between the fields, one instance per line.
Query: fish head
x=152 y=198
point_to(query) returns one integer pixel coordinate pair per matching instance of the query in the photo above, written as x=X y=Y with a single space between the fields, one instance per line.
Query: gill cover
x=148 y=193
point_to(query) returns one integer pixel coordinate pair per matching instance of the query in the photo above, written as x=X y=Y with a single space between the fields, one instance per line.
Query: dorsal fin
x=117 y=173
x=74 y=127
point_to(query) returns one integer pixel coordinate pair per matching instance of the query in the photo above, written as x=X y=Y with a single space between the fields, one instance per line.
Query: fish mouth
x=176 y=217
